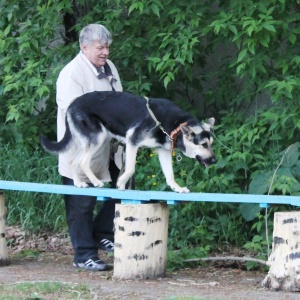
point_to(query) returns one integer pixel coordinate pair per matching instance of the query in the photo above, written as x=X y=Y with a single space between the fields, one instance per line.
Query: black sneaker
x=106 y=245
x=92 y=265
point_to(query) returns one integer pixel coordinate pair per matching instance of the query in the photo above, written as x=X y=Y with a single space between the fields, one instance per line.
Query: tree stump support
x=284 y=261
x=4 y=261
x=141 y=235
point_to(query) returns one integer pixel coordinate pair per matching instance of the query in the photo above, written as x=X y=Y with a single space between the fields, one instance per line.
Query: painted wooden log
x=141 y=235
x=284 y=261
x=4 y=261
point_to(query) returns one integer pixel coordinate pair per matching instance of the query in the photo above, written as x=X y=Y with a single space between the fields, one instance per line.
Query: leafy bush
x=284 y=179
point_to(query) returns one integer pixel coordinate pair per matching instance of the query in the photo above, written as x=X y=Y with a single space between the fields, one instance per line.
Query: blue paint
x=137 y=197
x=264 y=205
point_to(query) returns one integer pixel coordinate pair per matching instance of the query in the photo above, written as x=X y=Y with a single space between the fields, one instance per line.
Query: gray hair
x=95 y=33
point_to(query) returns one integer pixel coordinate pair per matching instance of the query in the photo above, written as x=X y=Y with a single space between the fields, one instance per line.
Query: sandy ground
x=202 y=282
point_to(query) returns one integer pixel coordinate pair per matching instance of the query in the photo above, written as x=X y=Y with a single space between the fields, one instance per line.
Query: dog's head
x=197 y=142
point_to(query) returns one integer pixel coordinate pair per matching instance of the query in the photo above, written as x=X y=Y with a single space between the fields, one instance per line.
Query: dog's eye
x=204 y=145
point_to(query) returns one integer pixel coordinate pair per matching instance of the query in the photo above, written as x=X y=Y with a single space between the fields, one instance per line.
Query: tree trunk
x=4 y=261
x=284 y=261
x=141 y=236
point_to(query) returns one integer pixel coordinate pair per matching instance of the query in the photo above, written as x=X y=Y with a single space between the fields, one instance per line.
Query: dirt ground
x=49 y=258
x=203 y=282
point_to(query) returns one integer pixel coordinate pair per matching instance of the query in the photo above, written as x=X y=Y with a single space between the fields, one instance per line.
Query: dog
x=136 y=121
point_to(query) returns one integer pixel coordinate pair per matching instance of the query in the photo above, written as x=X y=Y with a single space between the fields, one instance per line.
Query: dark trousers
x=83 y=226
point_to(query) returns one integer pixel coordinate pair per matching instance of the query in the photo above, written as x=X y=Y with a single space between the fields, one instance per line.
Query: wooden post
x=284 y=261
x=4 y=261
x=141 y=236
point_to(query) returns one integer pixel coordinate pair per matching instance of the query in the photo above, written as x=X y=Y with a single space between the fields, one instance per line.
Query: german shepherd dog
x=94 y=118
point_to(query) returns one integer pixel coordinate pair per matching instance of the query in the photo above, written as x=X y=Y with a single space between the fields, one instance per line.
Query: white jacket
x=77 y=78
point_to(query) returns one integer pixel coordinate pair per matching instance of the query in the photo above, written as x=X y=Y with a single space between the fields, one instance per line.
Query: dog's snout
x=206 y=162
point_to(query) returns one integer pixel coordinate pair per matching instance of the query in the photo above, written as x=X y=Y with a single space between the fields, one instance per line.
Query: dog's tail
x=57 y=147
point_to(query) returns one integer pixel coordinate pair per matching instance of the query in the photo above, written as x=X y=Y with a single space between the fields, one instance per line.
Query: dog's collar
x=174 y=134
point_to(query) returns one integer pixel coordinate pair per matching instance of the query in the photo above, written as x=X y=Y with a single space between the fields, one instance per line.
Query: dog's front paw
x=120 y=185
x=184 y=190
x=80 y=184
x=181 y=190
x=176 y=188
x=98 y=183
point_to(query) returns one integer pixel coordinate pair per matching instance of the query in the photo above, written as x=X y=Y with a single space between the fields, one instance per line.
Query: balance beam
x=138 y=197
x=141 y=231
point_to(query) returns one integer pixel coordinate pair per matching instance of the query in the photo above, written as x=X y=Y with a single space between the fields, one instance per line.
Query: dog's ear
x=211 y=122
x=187 y=131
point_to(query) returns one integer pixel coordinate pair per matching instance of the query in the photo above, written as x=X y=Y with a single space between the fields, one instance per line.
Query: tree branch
x=216 y=258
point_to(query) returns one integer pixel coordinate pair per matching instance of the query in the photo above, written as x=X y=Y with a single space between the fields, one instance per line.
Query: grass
x=33 y=211
x=41 y=290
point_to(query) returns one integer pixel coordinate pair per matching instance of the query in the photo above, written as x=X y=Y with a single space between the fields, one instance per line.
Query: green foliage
x=33 y=211
x=284 y=179
x=176 y=258
x=149 y=175
x=206 y=226
x=29 y=66
x=256 y=244
x=261 y=236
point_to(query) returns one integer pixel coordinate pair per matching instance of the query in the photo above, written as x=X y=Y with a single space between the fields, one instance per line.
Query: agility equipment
x=141 y=226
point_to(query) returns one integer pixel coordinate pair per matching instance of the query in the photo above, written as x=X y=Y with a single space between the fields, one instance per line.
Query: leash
x=174 y=134
x=158 y=124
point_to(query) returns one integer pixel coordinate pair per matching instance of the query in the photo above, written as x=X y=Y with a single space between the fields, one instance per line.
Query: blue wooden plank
x=107 y=193
x=264 y=205
x=173 y=202
x=101 y=198
x=129 y=201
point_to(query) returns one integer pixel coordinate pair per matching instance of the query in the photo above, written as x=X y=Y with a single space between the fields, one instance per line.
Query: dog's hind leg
x=85 y=162
x=85 y=166
x=74 y=164
x=165 y=159
x=131 y=152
